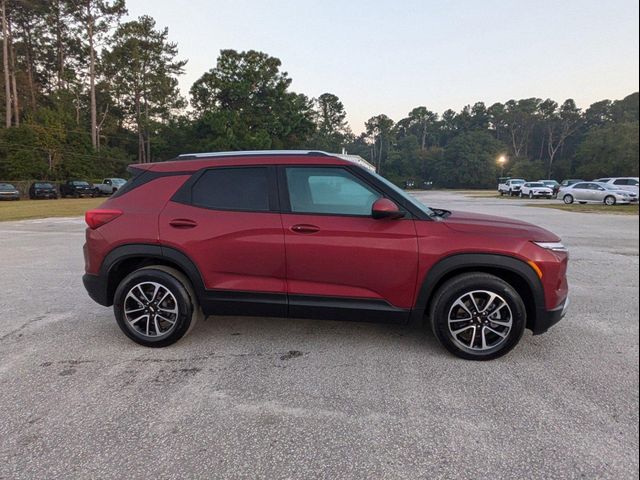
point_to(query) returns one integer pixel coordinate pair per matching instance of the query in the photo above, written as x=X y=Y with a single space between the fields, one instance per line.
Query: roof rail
x=247 y=153
x=357 y=159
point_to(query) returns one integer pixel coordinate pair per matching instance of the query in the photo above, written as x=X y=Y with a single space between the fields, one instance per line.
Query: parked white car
x=621 y=183
x=511 y=187
x=594 y=192
x=536 y=190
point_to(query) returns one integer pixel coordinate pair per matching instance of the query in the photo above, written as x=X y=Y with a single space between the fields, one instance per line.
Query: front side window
x=581 y=186
x=332 y=191
x=245 y=189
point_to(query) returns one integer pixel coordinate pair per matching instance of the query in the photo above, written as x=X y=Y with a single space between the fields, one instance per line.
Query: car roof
x=194 y=161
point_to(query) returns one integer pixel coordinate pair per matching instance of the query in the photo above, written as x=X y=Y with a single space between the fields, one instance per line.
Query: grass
x=29 y=209
x=590 y=208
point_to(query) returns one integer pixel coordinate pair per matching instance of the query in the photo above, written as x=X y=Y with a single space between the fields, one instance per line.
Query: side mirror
x=385 y=208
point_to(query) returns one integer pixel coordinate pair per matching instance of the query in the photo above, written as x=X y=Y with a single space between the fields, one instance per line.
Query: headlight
x=553 y=246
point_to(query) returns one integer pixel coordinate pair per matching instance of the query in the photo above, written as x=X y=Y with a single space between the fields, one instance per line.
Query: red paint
x=329 y=255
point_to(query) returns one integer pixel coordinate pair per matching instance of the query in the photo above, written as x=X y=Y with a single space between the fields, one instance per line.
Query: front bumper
x=548 y=318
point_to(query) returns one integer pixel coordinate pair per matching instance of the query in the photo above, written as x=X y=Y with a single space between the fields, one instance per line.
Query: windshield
x=535 y=184
x=43 y=185
x=517 y=182
x=410 y=198
x=118 y=181
x=80 y=184
x=550 y=182
x=6 y=186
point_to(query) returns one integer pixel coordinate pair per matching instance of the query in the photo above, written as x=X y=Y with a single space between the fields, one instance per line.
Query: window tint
x=328 y=191
x=625 y=181
x=232 y=189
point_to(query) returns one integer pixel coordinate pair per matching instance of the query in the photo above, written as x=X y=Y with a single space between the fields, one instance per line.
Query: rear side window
x=244 y=189
x=626 y=181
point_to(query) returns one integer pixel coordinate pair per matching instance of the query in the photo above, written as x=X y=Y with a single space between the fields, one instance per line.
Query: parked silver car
x=621 y=183
x=594 y=192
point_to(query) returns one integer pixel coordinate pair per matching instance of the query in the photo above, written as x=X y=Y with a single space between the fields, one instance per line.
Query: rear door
x=342 y=263
x=226 y=221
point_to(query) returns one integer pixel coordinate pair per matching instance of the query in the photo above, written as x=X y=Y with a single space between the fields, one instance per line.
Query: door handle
x=305 y=228
x=183 y=223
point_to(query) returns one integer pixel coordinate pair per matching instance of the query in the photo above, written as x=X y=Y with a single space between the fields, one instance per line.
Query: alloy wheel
x=480 y=320
x=150 y=309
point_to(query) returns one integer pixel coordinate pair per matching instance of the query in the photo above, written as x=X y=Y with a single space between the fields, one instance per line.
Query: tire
x=498 y=339
x=568 y=199
x=610 y=200
x=520 y=194
x=511 y=193
x=530 y=195
x=179 y=297
x=582 y=203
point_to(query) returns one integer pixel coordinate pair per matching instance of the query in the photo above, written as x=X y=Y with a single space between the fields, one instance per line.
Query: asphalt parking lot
x=277 y=398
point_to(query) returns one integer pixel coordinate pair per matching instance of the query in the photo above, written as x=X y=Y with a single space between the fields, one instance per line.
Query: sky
x=388 y=57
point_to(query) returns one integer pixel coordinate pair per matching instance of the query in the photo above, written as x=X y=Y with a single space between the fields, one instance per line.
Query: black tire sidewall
x=185 y=305
x=454 y=289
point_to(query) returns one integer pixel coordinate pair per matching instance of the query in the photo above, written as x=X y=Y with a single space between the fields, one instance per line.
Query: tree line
x=84 y=93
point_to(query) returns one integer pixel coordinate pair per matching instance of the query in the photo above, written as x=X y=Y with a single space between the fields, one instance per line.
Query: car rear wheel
x=155 y=306
x=568 y=199
x=478 y=316
x=610 y=200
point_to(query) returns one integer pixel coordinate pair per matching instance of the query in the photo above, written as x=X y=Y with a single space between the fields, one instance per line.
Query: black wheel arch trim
x=123 y=252
x=466 y=262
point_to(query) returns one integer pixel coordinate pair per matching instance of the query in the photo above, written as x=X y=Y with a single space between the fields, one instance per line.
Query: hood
x=466 y=222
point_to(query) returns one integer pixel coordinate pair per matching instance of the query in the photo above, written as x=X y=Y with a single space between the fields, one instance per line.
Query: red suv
x=314 y=235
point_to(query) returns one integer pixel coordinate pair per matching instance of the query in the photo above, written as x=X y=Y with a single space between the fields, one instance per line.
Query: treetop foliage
x=84 y=94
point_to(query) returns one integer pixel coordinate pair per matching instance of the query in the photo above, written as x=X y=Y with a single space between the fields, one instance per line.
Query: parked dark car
x=207 y=234
x=9 y=192
x=77 y=189
x=569 y=182
x=42 y=190
x=408 y=184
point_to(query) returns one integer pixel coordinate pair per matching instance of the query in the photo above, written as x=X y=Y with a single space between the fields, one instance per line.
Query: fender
x=118 y=254
x=469 y=261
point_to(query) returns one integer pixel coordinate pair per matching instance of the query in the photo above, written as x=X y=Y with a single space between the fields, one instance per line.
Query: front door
x=342 y=263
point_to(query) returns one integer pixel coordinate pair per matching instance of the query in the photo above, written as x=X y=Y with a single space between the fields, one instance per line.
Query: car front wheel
x=610 y=200
x=155 y=306
x=478 y=316
x=568 y=199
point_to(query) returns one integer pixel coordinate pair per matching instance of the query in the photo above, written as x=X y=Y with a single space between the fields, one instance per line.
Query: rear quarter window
x=244 y=189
